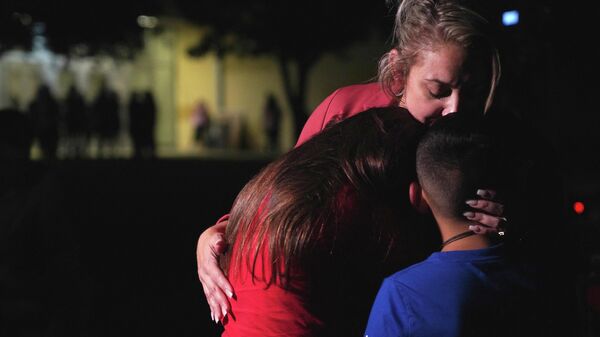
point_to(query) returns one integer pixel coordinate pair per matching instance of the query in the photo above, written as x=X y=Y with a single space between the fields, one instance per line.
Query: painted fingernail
x=471 y=202
x=219 y=244
x=212 y=316
x=229 y=293
x=224 y=313
x=473 y=228
x=469 y=214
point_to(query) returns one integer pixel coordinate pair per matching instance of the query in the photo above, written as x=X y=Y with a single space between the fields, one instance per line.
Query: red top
x=261 y=310
x=264 y=311
x=343 y=103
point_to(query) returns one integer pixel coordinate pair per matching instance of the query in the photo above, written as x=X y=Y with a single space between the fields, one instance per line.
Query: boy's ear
x=417 y=199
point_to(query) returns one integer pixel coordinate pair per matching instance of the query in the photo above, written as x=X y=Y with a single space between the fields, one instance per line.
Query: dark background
x=107 y=247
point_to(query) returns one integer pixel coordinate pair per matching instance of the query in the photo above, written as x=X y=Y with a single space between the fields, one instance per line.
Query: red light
x=578 y=207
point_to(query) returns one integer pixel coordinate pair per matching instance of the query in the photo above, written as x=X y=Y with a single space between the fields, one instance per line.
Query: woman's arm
x=217 y=288
x=211 y=243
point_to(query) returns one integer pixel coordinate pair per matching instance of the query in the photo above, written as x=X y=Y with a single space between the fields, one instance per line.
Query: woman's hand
x=216 y=287
x=487 y=212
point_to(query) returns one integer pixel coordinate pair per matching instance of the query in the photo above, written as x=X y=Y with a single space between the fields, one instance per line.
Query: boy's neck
x=450 y=228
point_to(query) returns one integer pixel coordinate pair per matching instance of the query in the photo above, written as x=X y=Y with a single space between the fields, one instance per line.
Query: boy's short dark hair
x=458 y=155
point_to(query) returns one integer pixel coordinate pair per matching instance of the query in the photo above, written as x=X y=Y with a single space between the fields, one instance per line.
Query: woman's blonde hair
x=426 y=24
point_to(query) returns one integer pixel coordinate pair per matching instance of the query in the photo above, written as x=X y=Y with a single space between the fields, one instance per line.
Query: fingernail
x=469 y=214
x=471 y=202
x=212 y=316
x=229 y=293
x=482 y=193
x=224 y=313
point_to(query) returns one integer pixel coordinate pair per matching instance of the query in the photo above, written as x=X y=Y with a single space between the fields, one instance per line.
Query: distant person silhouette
x=105 y=117
x=142 y=122
x=76 y=124
x=272 y=119
x=201 y=122
x=44 y=114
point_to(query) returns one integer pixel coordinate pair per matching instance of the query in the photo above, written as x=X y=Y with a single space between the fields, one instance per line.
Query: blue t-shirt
x=456 y=293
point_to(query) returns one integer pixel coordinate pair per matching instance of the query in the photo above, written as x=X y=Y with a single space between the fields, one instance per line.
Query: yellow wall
x=179 y=82
x=247 y=81
x=194 y=82
x=163 y=84
x=357 y=64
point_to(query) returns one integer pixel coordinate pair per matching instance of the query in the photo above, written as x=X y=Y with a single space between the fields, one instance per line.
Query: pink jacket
x=343 y=103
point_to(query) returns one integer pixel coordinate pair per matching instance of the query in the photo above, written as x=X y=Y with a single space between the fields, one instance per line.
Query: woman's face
x=444 y=81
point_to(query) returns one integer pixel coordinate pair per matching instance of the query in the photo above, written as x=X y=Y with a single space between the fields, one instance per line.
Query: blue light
x=510 y=18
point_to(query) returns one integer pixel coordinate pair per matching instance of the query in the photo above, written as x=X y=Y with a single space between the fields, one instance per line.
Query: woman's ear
x=393 y=55
x=417 y=199
x=397 y=72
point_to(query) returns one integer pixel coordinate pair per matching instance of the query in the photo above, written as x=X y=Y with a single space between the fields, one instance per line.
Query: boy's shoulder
x=416 y=275
x=448 y=265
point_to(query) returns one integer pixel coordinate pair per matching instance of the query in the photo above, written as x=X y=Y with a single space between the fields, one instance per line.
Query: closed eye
x=441 y=93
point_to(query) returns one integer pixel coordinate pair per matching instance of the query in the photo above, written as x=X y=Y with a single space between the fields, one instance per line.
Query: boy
x=471 y=287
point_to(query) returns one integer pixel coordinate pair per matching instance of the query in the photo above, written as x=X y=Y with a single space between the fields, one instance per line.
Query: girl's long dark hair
x=304 y=204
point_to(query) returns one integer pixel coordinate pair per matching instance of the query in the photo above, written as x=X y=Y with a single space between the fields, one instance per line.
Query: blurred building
x=234 y=88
